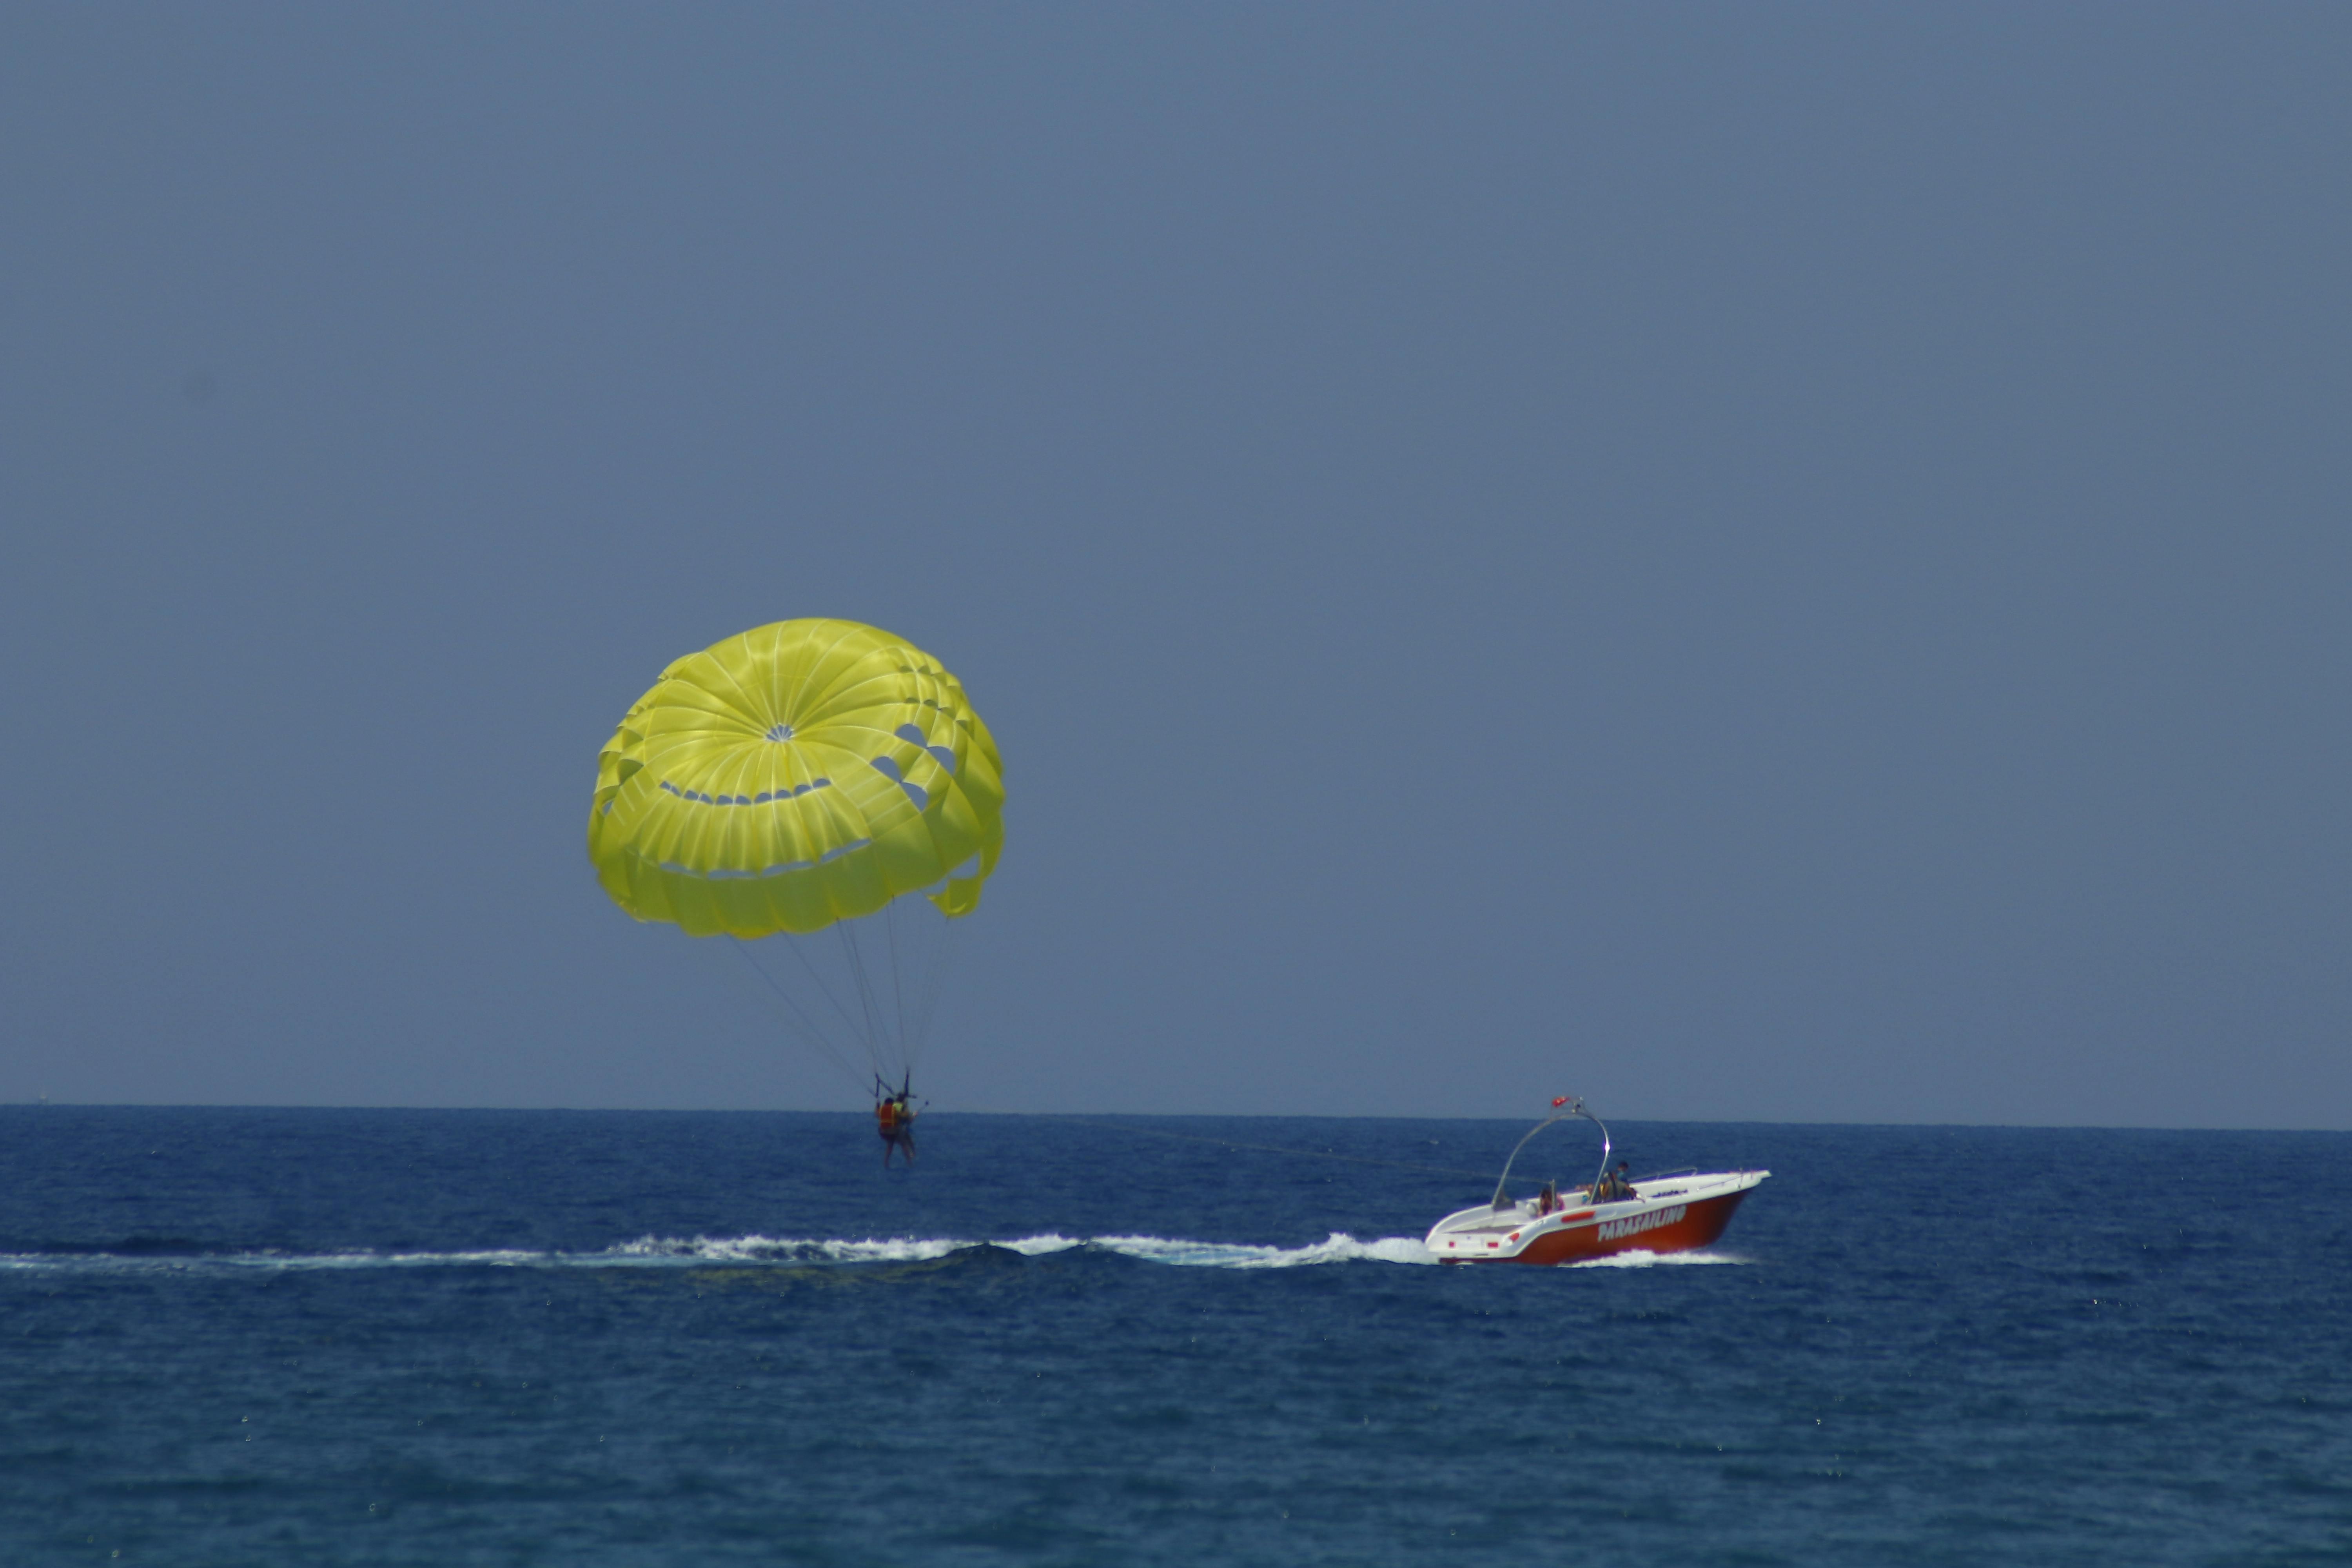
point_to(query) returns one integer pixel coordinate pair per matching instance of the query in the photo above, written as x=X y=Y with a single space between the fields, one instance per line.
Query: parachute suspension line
x=915 y=957
x=793 y=946
x=875 y=1040
x=814 y=1035
x=897 y=988
x=934 y=981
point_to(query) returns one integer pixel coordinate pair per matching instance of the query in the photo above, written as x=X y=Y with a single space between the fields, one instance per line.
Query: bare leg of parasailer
x=906 y=1121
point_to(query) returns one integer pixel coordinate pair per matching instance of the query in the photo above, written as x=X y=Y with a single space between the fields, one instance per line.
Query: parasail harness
x=894 y=1111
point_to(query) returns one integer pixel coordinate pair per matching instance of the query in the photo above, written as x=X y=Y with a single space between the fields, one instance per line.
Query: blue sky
x=1752 y=563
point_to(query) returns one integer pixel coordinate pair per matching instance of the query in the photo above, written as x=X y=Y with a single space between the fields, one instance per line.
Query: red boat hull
x=1676 y=1229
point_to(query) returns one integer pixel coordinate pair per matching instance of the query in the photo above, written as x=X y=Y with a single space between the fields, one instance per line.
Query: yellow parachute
x=794 y=778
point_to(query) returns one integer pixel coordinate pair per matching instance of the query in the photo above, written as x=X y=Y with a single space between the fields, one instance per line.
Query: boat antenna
x=1563 y=1106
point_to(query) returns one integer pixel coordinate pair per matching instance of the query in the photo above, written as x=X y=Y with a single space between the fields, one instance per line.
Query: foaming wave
x=1638 y=1260
x=1338 y=1248
x=657 y=1250
x=746 y=1251
x=182 y=1263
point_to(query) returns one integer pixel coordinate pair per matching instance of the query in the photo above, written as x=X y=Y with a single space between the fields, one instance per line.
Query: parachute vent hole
x=761 y=799
x=779 y=732
x=889 y=769
x=943 y=755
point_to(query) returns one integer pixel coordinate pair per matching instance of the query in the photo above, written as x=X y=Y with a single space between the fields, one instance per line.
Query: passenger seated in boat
x=1621 y=1185
x=1548 y=1199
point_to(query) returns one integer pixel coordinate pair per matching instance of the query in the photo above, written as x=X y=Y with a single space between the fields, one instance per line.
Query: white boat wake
x=670 y=1252
x=757 y=1251
x=1654 y=1259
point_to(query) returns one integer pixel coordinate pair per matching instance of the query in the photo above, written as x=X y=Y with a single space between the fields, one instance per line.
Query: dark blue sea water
x=439 y=1338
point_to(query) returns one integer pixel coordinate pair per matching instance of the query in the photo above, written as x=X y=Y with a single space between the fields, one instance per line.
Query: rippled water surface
x=419 y=1337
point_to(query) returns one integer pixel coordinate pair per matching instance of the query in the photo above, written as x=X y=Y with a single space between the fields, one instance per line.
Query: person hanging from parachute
x=894 y=1118
x=806 y=777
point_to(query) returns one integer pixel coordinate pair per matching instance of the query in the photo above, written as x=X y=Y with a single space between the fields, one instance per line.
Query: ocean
x=393 y=1337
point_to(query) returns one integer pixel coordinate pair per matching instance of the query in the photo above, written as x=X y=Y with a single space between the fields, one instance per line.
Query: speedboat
x=1671 y=1212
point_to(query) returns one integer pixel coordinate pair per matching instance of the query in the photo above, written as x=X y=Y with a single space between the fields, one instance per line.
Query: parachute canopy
x=797 y=775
